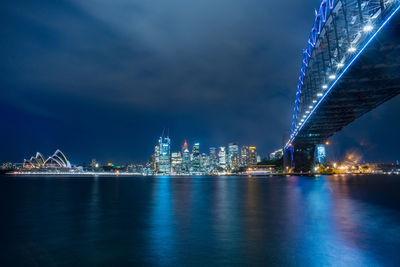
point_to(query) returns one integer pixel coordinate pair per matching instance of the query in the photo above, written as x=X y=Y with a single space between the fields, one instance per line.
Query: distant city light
x=352 y=49
x=332 y=76
x=324 y=86
x=368 y=28
x=319 y=94
x=340 y=65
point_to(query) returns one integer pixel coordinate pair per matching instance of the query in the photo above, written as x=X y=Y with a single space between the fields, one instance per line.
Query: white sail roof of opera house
x=57 y=160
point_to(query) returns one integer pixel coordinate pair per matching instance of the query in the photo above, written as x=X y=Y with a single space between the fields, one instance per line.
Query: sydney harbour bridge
x=351 y=65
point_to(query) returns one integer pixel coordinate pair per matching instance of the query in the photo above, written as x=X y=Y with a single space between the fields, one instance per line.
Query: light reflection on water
x=235 y=221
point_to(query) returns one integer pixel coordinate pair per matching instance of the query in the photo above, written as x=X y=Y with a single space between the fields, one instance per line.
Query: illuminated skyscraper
x=233 y=156
x=185 y=158
x=222 y=158
x=196 y=158
x=252 y=156
x=164 y=155
x=245 y=156
x=156 y=157
x=176 y=162
x=204 y=162
x=213 y=157
x=320 y=154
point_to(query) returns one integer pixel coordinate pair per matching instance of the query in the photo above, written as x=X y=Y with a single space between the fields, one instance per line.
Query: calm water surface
x=202 y=221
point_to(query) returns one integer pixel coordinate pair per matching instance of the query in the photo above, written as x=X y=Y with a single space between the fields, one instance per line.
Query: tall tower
x=164 y=155
x=156 y=156
x=213 y=159
x=185 y=158
x=252 y=156
x=233 y=156
x=176 y=162
x=320 y=154
x=245 y=156
x=222 y=158
x=196 y=158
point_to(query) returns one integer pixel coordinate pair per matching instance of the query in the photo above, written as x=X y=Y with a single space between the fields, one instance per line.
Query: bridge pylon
x=299 y=159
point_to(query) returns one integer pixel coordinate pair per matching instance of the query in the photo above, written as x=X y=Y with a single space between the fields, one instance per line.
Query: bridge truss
x=348 y=68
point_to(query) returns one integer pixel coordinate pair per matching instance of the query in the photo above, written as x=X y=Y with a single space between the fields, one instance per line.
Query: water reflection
x=218 y=221
x=162 y=224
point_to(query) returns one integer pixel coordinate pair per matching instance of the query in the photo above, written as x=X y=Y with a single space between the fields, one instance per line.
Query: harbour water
x=346 y=220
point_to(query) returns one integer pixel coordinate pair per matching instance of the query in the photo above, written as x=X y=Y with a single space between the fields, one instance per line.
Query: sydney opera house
x=56 y=161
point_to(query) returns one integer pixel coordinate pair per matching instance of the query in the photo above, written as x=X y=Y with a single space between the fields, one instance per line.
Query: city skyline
x=219 y=159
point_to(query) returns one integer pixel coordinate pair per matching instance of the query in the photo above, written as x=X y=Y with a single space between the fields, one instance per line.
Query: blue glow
x=293 y=135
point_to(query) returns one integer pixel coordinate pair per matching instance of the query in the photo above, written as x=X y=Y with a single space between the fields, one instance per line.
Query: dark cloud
x=103 y=78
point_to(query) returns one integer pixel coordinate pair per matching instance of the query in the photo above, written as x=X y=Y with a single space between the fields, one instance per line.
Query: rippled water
x=213 y=221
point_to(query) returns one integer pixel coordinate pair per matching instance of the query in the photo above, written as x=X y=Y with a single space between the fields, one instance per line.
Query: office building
x=164 y=164
x=176 y=162
x=252 y=156
x=222 y=158
x=244 y=160
x=185 y=158
x=213 y=158
x=233 y=156
x=320 y=154
x=196 y=158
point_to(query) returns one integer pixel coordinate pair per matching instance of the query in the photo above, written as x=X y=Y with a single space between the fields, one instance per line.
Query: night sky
x=102 y=79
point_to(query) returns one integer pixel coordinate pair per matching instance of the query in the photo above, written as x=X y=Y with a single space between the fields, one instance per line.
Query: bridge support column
x=299 y=159
x=304 y=159
x=288 y=160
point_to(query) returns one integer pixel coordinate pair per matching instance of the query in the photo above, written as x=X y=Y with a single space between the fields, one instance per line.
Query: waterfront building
x=176 y=162
x=252 y=156
x=94 y=164
x=276 y=154
x=56 y=161
x=213 y=158
x=204 y=162
x=320 y=154
x=196 y=158
x=156 y=157
x=164 y=155
x=185 y=158
x=233 y=156
x=244 y=160
x=222 y=164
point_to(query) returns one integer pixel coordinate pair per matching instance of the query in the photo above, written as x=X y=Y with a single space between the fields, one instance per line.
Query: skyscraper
x=320 y=154
x=176 y=162
x=222 y=158
x=233 y=156
x=156 y=157
x=164 y=155
x=185 y=158
x=245 y=156
x=213 y=159
x=252 y=156
x=204 y=162
x=196 y=158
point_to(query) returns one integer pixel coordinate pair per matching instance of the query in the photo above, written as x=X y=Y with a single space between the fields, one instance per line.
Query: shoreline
x=133 y=174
